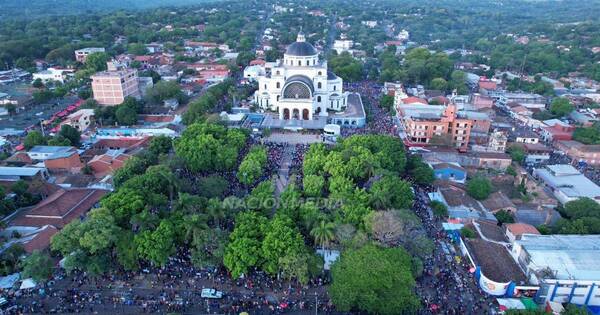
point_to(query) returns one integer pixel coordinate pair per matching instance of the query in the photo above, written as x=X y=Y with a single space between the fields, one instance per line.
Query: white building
x=80 y=120
x=567 y=183
x=342 y=45
x=403 y=35
x=51 y=74
x=82 y=54
x=566 y=267
x=44 y=152
x=252 y=73
x=300 y=86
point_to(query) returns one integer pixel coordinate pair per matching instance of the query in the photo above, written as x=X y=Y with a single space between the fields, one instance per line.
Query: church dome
x=301 y=48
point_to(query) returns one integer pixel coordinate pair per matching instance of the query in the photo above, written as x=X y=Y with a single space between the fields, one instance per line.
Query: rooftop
x=495 y=261
x=570 y=256
x=569 y=181
x=20 y=171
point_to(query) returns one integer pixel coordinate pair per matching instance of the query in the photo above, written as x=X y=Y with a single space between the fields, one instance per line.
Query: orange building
x=424 y=123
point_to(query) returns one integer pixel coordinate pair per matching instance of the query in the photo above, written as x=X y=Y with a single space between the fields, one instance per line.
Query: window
x=308 y=62
x=265 y=86
x=320 y=73
x=335 y=87
x=299 y=62
x=319 y=85
x=278 y=85
x=277 y=72
x=319 y=99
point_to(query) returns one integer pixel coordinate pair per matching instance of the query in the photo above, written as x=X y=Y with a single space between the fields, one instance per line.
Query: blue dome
x=301 y=49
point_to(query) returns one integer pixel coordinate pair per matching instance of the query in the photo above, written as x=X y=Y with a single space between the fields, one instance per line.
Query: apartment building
x=587 y=153
x=112 y=87
x=427 y=124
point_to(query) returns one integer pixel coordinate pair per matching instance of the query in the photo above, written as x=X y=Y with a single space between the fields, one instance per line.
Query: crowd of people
x=447 y=285
x=380 y=121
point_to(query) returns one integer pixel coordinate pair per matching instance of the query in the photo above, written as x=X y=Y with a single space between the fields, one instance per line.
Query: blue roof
x=50 y=149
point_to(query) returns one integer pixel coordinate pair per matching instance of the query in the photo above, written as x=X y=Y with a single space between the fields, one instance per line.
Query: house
x=13 y=174
x=51 y=75
x=64 y=162
x=60 y=208
x=460 y=204
x=586 y=153
x=449 y=171
x=514 y=231
x=481 y=101
x=556 y=130
x=82 y=54
x=108 y=162
x=567 y=183
x=497 y=201
x=44 y=152
x=536 y=153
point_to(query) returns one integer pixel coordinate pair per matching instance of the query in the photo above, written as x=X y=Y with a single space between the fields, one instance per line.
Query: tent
x=27 y=284
x=9 y=281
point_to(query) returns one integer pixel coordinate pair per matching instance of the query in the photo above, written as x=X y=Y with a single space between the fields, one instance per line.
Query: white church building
x=300 y=86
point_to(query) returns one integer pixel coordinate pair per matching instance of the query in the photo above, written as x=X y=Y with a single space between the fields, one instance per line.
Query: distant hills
x=33 y=8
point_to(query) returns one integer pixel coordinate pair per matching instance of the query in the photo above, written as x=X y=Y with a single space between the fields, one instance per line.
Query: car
x=211 y=294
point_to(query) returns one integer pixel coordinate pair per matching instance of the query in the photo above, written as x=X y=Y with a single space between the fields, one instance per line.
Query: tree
x=573 y=309
x=137 y=49
x=313 y=185
x=160 y=145
x=126 y=116
x=323 y=233
x=158 y=245
x=72 y=134
x=387 y=102
x=251 y=168
x=517 y=153
x=281 y=239
x=34 y=138
x=581 y=207
x=97 y=61
x=37 y=83
x=220 y=147
x=479 y=187
x=164 y=90
x=386 y=227
x=467 y=232
x=439 y=209
x=561 y=107
x=38 y=266
x=422 y=174
x=391 y=192
x=244 y=249
x=504 y=216
x=374 y=280
x=439 y=84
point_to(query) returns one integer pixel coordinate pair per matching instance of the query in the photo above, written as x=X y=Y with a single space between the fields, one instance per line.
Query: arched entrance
x=296 y=113
x=286 y=113
x=305 y=114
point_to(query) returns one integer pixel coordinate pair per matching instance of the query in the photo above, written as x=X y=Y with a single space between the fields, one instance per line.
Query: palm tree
x=323 y=233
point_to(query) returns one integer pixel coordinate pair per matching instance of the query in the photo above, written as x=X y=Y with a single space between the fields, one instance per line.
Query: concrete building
x=586 y=153
x=112 y=87
x=440 y=123
x=341 y=46
x=82 y=54
x=51 y=75
x=567 y=183
x=565 y=267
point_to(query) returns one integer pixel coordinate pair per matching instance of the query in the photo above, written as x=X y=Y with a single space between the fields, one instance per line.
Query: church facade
x=300 y=86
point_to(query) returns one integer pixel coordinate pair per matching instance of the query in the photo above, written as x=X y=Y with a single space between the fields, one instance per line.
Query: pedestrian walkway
x=283 y=174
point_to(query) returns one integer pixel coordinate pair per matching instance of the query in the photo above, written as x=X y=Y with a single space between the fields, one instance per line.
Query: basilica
x=300 y=87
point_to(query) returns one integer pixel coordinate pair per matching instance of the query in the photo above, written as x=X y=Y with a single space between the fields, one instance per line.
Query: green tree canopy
x=374 y=280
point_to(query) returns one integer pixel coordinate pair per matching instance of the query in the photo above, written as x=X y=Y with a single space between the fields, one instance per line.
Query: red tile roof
x=41 y=240
x=414 y=100
x=120 y=143
x=521 y=228
x=60 y=208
